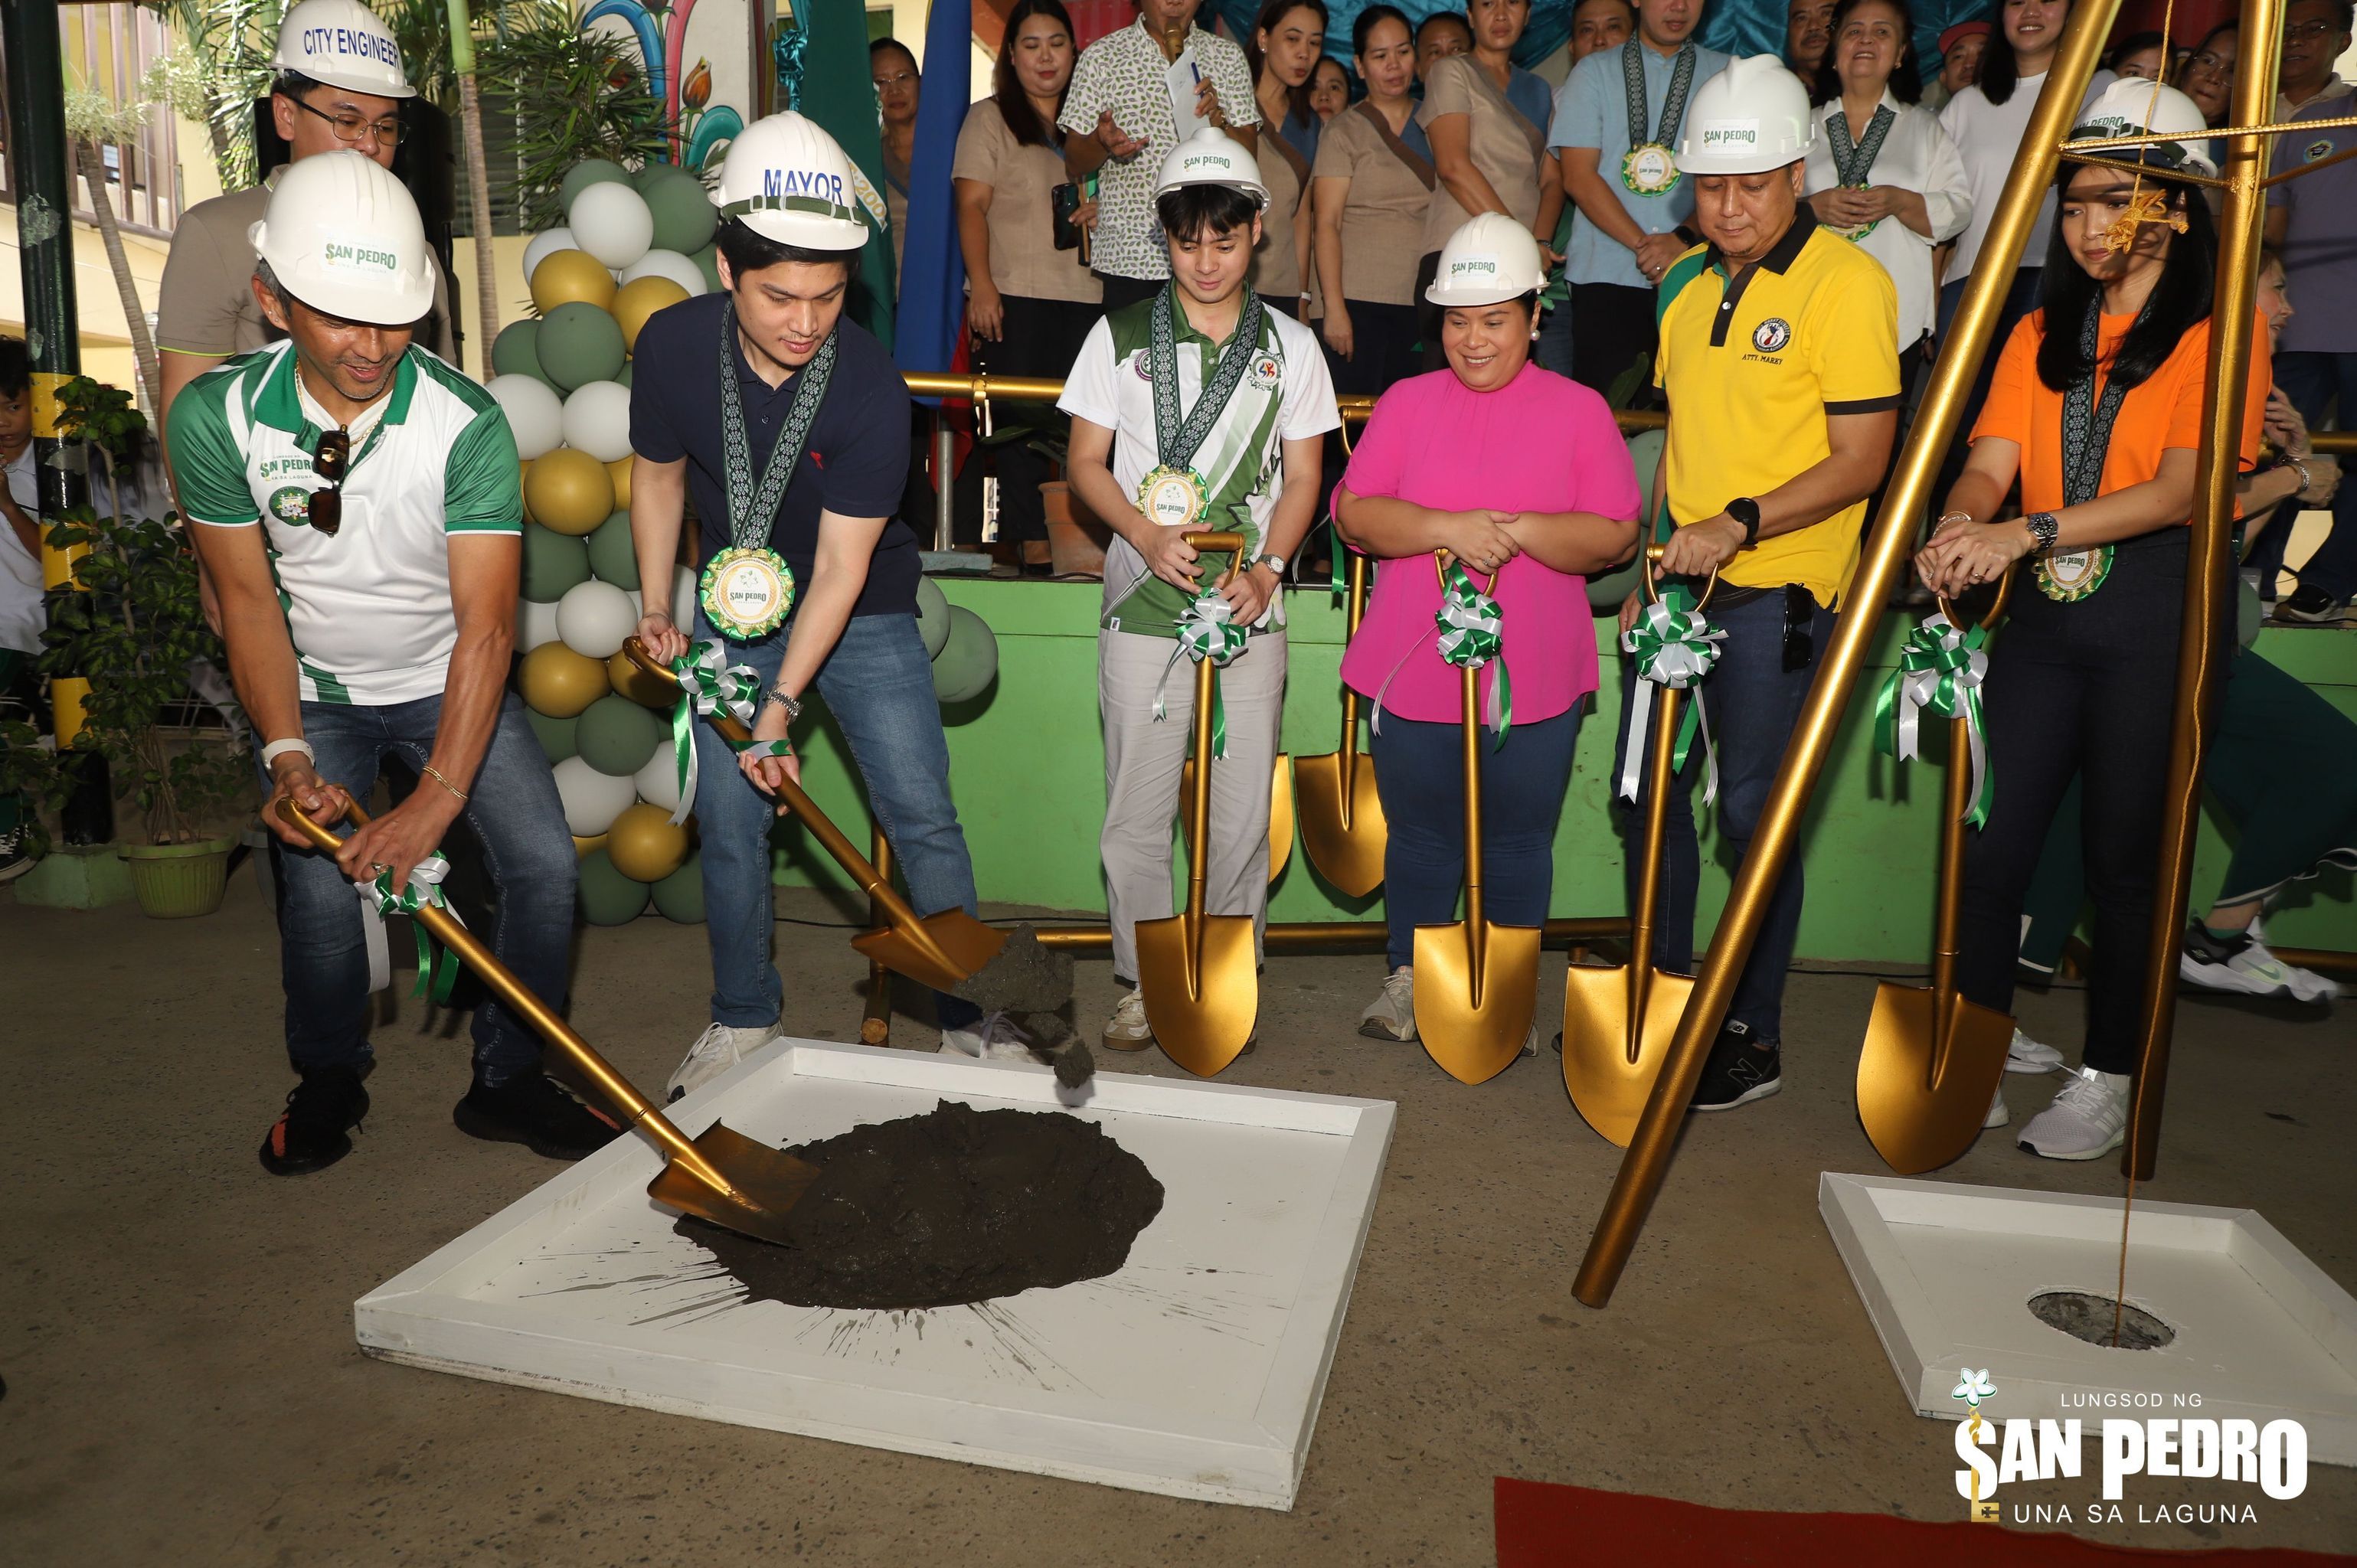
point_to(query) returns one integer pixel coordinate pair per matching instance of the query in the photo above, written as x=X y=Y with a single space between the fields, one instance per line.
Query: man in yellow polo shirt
x=1780 y=358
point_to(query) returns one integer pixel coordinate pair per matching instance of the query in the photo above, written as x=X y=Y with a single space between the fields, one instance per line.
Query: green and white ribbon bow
x=1208 y=630
x=437 y=968
x=1940 y=671
x=1472 y=633
x=706 y=688
x=1675 y=646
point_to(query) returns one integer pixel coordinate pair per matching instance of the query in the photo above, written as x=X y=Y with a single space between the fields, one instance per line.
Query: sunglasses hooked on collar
x=331 y=461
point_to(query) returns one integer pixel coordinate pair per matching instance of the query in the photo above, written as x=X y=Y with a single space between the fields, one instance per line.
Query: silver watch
x=1273 y=562
x=792 y=705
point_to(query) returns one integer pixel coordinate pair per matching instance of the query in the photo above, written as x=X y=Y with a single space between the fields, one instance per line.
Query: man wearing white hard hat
x=357 y=504
x=1199 y=408
x=788 y=424
x=339 y=85
x=1779 y=357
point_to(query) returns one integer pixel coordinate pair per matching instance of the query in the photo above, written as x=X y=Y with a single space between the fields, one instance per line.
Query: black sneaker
x=2312 y=606
x=1740 y=1071
x=309 y=1133
x=535 y=1112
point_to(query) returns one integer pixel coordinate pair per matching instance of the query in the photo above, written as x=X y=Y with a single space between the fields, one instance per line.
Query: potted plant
x=1076 y=540
x=133 y=633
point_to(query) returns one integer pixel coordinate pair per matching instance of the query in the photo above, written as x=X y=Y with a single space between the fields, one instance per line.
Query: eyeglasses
x=351 y=128
x=2205 y=61
x=2293 y=30
x=330 y=462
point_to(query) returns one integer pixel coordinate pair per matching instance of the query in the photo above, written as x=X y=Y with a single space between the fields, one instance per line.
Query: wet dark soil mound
x=953 y=1207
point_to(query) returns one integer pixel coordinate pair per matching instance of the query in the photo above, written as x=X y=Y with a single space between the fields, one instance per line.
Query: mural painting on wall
x=695 y=59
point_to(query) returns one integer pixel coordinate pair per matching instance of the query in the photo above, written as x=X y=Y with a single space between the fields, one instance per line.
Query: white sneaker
x=1997 y=1115
x=993 y=1038
x=1531 y=1040
x=1127 y=1029
x=2247 y=969
x=2026 y=1054
x=717 y=1050
x=1391 y=1014
x=2087 y=1120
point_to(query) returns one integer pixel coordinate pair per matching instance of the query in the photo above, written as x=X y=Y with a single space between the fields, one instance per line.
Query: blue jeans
x=514 y=813
x=2315 y=382
x=1752 y=704
x=1420 y=774
x=878 y=685
x=1553 y=350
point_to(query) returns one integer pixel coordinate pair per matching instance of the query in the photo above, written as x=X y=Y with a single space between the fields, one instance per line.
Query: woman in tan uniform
x=1374 y=183
x=1287 y=43
x=1030 y=305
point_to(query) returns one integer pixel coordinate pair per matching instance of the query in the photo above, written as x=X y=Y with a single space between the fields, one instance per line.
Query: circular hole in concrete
x=2084 y=1315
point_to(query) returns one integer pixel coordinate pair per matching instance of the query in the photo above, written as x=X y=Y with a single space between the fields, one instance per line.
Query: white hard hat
x=1749 y=118
x=1489 y=259
x=2132 y=106
x=1212 y=156
x=341 y=43
x=343 y=236
x=791 y=182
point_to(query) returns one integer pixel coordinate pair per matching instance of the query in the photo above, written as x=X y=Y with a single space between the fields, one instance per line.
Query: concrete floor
x=183 y=1387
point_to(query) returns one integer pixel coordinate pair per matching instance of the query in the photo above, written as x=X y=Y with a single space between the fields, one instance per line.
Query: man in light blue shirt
x=1617 y=121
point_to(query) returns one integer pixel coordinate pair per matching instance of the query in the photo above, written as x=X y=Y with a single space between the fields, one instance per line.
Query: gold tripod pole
x=1648 y=1160
x=2209 y=615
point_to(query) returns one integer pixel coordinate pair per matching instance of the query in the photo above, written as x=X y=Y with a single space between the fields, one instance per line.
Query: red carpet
x=1541 y=1525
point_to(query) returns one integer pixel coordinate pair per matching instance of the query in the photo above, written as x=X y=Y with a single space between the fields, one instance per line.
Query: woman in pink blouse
x=1523 y=476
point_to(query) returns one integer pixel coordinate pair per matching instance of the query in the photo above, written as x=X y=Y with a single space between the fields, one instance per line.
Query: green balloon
x=556 y=736
x=623 y=375
x=684 y=216
x=1605 y=590
x=584 y=174
x=933 y=616
x=516 y=350
x=709 y=260
x=968 y=660
x=618 y=735
x=552 y=563
x=680 y=895
x=611 y=557
x=608 y=898
x=579 y=343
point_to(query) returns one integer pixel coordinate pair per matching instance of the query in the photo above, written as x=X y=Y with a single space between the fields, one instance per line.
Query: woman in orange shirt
x=2096 y=409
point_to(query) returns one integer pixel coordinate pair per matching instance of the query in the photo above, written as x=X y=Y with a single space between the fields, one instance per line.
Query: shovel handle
x=1988 y=616
x=1215 y=541
x=612 y=1087
x=1651 y=582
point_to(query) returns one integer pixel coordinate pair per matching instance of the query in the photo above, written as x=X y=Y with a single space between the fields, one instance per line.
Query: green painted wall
x=1028 y=772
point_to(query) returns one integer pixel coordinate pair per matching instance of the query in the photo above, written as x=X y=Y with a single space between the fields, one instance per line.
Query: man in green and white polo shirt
x=1243 y=456
x=359 y=511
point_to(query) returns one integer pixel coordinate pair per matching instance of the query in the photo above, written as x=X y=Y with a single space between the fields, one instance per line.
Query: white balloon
x=658 y=782
x=611 y=221
x=592 y=799
x=597 y=420
x=535 y=415
x=670 y=264
x=535 y=624
x=542 y=243
x=595 y=618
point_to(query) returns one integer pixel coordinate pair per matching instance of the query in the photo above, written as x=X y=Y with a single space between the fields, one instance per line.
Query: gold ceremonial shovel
x=1476 y=984
x=940 y=950
x=1617 y=1021
x=1280 y=809
x=1198 y=974
x=1342 y=815
x=1932 y=1060
x=719 y=1176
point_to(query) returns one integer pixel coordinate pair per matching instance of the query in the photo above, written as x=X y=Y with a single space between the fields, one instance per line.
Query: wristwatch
x=1746 y=511
x=2043 y=526
x=1273 y=562
x=792 y=705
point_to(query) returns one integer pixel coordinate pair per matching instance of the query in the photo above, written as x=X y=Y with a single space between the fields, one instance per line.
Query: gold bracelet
x=435 y=774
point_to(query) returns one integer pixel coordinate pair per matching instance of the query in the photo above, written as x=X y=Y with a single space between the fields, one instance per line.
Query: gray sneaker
x=2088 y=1120
x=717 y=1050
x=2026 y=1054
x=1391 y=1014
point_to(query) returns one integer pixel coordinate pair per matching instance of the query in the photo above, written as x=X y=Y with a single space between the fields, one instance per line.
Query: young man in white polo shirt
x=359 y=509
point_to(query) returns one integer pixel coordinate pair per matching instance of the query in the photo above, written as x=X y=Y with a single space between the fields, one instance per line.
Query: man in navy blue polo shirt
x=788 y=426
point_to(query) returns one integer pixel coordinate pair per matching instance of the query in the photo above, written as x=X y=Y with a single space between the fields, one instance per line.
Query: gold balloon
x=619 y=470
x=645 y=844
x=568 y=492
x=584 y=848
x=523 y=476
x=639 y=298
x=640 y=687
x=559 y=682
x=565 y=277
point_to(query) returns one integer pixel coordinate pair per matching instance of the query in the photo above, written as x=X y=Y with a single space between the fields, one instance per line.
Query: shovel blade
x=1474 y=1025
x=1608 y=1088
x=952 y=948
x=1280 y=812
x=1343 y=836
x=1921 y=1108
x=1200 y=1004
x=766 y=1183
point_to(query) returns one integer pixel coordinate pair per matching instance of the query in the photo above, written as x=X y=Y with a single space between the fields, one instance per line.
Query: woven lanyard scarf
x=1175 y=441
x=1673 y=103
x=1854 y=161
x=752 y=513
x=1941 y=671
x=1674 y=646
x=706 y=688
x=2086 y=438
x=437 y=967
